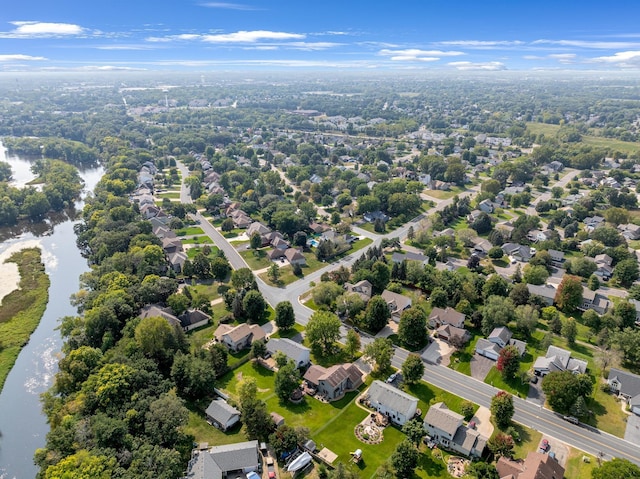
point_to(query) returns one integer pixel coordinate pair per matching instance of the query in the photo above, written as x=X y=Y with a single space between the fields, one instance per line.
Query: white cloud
x=44 y=29
x=244 y=36
x=19 y=58
x=124 y=47
x=262 y=47
x=409 y=58
x=598 y=45
x=486 y=66
x=486 y=44
x=565 y=58
x=311 y=45
x=533 y=57
x=229 y=6
x=628 y=59
x=416 y=55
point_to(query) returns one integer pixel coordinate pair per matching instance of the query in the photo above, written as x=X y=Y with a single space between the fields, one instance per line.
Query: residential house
x=397 y=405
x=557 y=258
x=481 y=246
x=332 y=383
x=630 y=231
x=486 y=348
x=149 y=210
x=262 y=230
x=177 y=260
x=397 y=303
x=593 y=222
x=446 y=428
x=298 y=353
x=240 y=219
x=154 y=310
x=506 y=228
x=229 y=460
x=238 y=337
x=372 y=216
x=171 y=245
x=536 y=465
x=447 y=316
x=497 y=340
x=445 y=232
x=397 y=257
x=627 y=386
x=539 y=235
x=546 y=291
x=222 y=414
x=193 y=318
x=558 y=359
x=162 y=232
x=363 y=288
x=517 y=251
x=486 y=205
x=294 y=256
x=452 y=334
x=595 y=301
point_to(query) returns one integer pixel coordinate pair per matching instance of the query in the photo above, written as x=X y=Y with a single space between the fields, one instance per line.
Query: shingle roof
x=447 y=316
x=629 y=383
x=441 y=417
x=153 y=310
x=221 y=411
x=501 y=333
x=391 y=397
x=484 y=344
x=290 y=348
x=232 y=457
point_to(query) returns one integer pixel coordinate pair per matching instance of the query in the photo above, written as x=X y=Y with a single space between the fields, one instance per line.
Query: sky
x=385 y=35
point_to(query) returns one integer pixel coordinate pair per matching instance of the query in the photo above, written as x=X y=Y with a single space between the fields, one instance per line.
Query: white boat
x=299 y=462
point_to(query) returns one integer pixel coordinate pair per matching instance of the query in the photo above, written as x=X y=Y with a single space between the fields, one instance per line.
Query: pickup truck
x=271 y=470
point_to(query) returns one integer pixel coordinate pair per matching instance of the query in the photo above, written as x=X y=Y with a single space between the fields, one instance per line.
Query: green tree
x=562 y=388
x=497 y=311
x=285 y=317
x=193 y=376
x=273 y=273
x=482 y=470
x=496 y=285
x=414 y=429
x=616 y=468
x=178 y=303
x=496 y=253
x=570 y=330
x=377 y=314
x=626 y=272
x=323 y=330
x=379 y=353
x=82 y=465
x=254 y=306
x=155 y=337
x=509 y=362
x=164 y=419
x=535 y=274
x=255 y=241
x=412 y=369
x=258 y=349
x=502 y=409
x=467 y=409
x=353 y=343
x=412 y=329
x=527 y=319
x=404 y=459
x=593 y=283
x=569 y=294
x=287 y=380
x=243 y=279
x=283 y=439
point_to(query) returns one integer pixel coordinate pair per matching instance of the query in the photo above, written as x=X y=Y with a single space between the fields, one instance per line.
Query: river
x=23 y=426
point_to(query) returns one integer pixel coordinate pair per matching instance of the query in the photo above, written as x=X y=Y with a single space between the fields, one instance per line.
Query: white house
x=627 y=386
x=558 y=359
x=397 y=405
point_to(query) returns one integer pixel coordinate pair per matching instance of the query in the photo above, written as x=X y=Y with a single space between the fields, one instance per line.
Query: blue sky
x=384 y=35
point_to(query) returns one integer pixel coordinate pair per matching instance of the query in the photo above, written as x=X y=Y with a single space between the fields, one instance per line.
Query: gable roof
x=502 y=333
x=153 y=310
x=397 y=257
x=447 y=316
x=233 y=457
x=221 y=411
x=629 y=383
x=239 y=332
x=290 y=348
x=392 y=397
x=397 y=301
x=443 y=418
x=485 y=344
x=193 y=316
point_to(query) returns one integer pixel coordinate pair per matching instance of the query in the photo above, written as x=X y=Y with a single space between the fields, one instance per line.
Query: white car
x=392 y=378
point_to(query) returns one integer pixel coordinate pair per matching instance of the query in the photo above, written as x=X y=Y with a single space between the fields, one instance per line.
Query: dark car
x=534 y=379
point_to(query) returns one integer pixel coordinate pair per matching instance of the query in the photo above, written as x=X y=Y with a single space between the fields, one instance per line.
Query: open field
x=596 y=141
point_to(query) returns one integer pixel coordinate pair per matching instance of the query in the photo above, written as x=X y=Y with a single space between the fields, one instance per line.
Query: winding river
x=23 y=426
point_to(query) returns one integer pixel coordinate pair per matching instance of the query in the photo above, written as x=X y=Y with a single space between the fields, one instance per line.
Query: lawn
x=461 y=360
x=202 y=431
x=198 y=240
x=576 y=468
x=256 y=259
x=191 y=230
x=297 y=329
x=515 y=386
x=208 y=289
x=529 y=441
x=597 y=141
x=428 y=395
x=193 y=251
x=444 y=195
x=175 y=195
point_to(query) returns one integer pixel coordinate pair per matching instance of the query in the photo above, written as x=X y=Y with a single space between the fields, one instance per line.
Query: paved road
x=546 y=196
x=588 y=439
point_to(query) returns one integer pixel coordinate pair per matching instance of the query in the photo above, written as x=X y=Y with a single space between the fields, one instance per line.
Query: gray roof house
x=592 y=300
x=546 y=291
x=363 y=288
x=409 y=256
x=486 y=348
x=193 y=318
x=220 y=462
x=298 y=353
x=517 y=251
x=558 y=359
x=332 y=383
x=498 y=339
x=222 y=414
x=446 y=428
x=627 y=385
x=152 y=310
x=397 y=405
x=397 y=303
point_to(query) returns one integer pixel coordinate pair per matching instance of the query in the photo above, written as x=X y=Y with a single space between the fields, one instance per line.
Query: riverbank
x=22 y=309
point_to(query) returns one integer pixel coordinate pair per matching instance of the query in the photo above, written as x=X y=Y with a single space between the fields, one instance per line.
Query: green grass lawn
x=529 y=441
x=198 y=240
x=175 y=195
x=209 y=289
x=428 y=395
x=461 y=360
x=191 y=230
x=597 y=141
x=202 y=431
x=576 y=468
x=514 y=386
x=256 y=259
x=297 y=329
x=193 y=251
x=444 y=195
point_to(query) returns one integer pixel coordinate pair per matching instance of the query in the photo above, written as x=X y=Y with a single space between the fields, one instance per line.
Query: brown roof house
x=397 y=303
x=153 y=310
x=193 y=318
x=332 y=383
x=294 y=256
x=536 y=466
x=447 y=316
x=362 y=288
x=238 y=337
x=447 y=429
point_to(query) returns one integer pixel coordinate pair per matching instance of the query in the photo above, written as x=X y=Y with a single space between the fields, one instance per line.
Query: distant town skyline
x=320 y=35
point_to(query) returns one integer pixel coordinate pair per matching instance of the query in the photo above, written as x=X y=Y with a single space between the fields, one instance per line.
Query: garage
x=487 y=349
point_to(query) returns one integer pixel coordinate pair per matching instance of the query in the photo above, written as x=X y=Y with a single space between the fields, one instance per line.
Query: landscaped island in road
x=22 y=309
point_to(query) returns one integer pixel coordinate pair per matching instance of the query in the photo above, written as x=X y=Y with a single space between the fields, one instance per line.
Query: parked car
x=544 y=446
x=271 y=470
x=571 y=419
x=392 y=378
x=534 y=379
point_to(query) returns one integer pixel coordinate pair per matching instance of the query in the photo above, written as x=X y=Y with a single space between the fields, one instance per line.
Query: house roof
x=443 y=418
x=290 y=348
x=469 y=439
x=397 y=301
x=154 y=310
x=335 y=375
x=233 y=457
x=485 y=344
x=558 y=359
x=257 y=227
x=193 y=316
x=501 y=333
x=409 y=256
x=293 y=254
x=451 y=331
x=541 y=466
x=391 y=397
x=629 y=383
x=447 y=316
x=221 y=411
x=545 y=290
x=239 y=332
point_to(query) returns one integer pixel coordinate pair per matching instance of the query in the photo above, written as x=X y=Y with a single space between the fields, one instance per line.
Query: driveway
x=632 y=433
x=535 y=393
x=438 y=352
x=482 y=419
x=480 y=366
